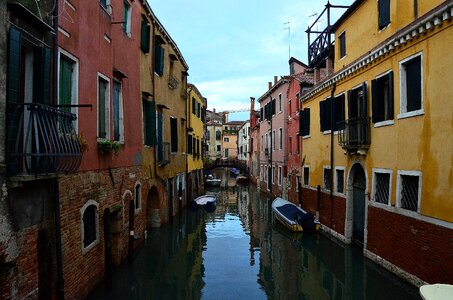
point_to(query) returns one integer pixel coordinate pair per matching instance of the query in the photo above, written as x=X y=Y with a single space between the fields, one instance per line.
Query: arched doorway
x=357 y=189
x=153 y=208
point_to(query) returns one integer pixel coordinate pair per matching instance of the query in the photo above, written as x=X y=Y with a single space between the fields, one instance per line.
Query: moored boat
x=212 y=181
x=208 y=202
x=293 y=217
x=242 y=179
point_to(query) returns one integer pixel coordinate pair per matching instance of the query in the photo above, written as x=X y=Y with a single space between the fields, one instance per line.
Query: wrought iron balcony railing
x=163 y=153
x=41 y=140
x=354 y=134
x=321 y=47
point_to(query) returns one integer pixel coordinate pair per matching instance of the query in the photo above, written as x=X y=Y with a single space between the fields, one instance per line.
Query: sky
x=235 y=47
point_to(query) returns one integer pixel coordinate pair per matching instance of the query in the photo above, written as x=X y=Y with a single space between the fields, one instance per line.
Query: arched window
x=90 y=228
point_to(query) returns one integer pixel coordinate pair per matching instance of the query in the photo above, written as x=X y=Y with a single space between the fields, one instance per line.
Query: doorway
x=358 y=204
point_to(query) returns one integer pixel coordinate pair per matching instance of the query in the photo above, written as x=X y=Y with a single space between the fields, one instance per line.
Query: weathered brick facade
x=413 y=245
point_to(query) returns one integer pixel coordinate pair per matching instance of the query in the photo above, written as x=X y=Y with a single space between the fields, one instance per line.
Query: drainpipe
x=59 y=255
x=270 y=150
x=332 y=120
x=187 y=136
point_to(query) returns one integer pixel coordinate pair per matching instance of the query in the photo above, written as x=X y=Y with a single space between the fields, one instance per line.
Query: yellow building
x=387 y=105
x=164 y=86
x=196 y=110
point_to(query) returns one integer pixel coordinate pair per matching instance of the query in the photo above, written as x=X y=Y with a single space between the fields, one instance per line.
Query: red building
x=99 y=63
x=299 y=83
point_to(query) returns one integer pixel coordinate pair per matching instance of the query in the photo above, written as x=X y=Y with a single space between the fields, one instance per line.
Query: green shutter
x=376 y=105
x=102 y=86
x=150 y=123
x=41 y=75
x=65 y=88
x=145 y=35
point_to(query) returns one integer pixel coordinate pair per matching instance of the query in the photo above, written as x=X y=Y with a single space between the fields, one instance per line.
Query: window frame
x=120 y=113
x=324 y=187
x=306 y=183
x=399 y=183
x=101 y=76
x=280 y=103
x=174 y=142
x=381 y=25
x=127 y=13
x=342 y=45
x=280 y=138
x=280 y=176
x=138 y=197
x=335 y=182
x=374 y=186
x=403 y=90
x=75 y=82
x=86 y=249
x=390 y=75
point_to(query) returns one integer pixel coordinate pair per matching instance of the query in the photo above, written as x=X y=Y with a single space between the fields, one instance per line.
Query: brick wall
x=110 y=189
x=418 y=247
x=332 y=217
x=27 y=262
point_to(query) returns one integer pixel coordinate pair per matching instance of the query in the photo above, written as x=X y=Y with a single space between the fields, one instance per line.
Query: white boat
x=436 y=291
x=293 y=217
x=208 y=202
x=211 y=181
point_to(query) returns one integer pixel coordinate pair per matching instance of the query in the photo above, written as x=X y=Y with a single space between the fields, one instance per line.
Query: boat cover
x=293 y=213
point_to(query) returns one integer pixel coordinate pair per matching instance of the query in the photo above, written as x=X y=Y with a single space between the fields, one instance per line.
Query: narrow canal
x=239 y=252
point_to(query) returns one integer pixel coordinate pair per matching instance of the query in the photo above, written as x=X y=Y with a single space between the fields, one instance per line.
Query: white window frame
x=403 y=97
x=107 y=108
x=121 y=113
x=75 y=83
x=82 y=229
x=373 y=186
x=139 y=207
x=280 y=181
x=303 y=175
x=273 y=174
x=280 y=138
x=399 y=188
x=273 y=140
x=385 y=122
x=323 y=176
x=128 y=20
x=335 y=181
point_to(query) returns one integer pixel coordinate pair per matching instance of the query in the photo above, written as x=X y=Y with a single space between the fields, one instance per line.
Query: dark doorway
x=358 y=187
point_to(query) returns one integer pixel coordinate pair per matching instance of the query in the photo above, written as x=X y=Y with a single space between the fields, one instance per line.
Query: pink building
x=254 y=147
x=273 y=128
x=298 y=82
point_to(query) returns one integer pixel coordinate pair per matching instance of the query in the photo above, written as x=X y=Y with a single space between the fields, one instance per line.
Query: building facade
x=378 y=163
x=244 y=141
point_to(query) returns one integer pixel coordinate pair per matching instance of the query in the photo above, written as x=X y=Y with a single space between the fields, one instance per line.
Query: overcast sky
x=235 y=47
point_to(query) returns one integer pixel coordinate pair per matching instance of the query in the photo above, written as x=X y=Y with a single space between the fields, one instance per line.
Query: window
x=280 y=176
x=219 y=148
x=159 y=56
x=304 y=122
x=290 y=146
x=68 y=81
x=189 y=144
x=117 y=102
x=226 y=153
x=103 y=107
x=358 y=102
x=327 y=178
x=306 y=175
x=384 y=13
x=280 y=138
x=279 y=102
x=411 y=87
x=226 y=139
x=326 y=111
x=297 y=183
x=138 y=197
x=90 y=229
x=127 y=18
x=289 y=109
x=160 y=138
x=194 y=106
x=382 y=92
x=145 y=36
x=149 y=122
x=342 y=49
x=174 y=134
x=273 y=174
x=273 y=140
x=381 y=186
x=218 y=135
x=409 y=190
x=339 y=180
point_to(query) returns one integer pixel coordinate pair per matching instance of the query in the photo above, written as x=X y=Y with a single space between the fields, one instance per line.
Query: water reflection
x=237 y=252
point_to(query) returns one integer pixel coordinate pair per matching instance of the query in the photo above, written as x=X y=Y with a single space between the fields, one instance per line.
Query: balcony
x=41 y=140
x=163 y=154
x=266 y=151
x=173 y=83
x=354 y=134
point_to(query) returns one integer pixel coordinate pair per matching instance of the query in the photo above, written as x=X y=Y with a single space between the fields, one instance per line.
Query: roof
x=305 y=77
x=293 y=59
x=279 y=83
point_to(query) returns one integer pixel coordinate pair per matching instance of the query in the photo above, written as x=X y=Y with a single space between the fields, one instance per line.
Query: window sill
x=384 y=123
x=138 y=210
x=306 y=137
x=87 y=249
x=411 y=114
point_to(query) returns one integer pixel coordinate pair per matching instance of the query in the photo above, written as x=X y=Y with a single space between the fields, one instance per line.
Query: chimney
x=252 y=112
x=275 y=80
x=252 y=104
x=213 y=110
x=269 y=85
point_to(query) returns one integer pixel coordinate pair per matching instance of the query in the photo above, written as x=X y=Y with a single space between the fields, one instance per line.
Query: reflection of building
x=386 y=155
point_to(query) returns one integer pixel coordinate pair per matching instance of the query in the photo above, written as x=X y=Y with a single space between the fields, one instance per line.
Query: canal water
x=239 y=252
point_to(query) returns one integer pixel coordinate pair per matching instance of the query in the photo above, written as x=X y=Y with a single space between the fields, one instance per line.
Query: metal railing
x=41 y=140
x=163 y=153
x=321 y=47
x=354 y=133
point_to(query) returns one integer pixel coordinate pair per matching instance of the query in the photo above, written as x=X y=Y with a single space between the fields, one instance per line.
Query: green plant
x=106 y=146
x=115 y=146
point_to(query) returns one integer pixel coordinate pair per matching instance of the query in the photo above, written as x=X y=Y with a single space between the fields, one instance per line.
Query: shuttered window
x=324 y=114
x=41 y=75
x=304 y=122
x=65 y=84
x=189 y=144
x=358 y=102
x=149 y=112
x=159 y=56
x=382 y=102
x=103 y=126
x=194 y=106
x=413 y=86
x=384 y=13
x=160 y=136
x=342 y=38
x=145 y=36
x=117 y=111
x=174 y=134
